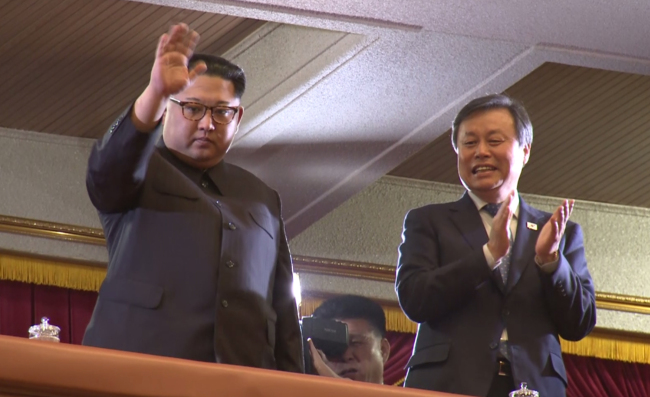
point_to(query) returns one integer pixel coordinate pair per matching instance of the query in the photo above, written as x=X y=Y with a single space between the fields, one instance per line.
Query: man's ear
x=240 y=114
x=526 y=153
x=385 y=349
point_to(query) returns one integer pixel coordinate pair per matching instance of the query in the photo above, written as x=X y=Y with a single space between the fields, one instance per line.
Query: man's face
x=366 y=355
x=490 y=158
x=202 y=143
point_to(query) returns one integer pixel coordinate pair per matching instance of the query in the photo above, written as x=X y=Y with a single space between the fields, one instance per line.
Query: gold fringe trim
x=400 y=382
x=308 y=305
x=600 y=344
x=50 y=272
x=396 y=321
x=610 y=345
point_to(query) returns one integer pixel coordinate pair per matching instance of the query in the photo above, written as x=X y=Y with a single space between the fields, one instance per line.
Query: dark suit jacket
x=190 y=276
x=444 y=283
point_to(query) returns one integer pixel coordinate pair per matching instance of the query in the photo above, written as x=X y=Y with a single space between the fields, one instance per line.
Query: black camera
x=329 y=336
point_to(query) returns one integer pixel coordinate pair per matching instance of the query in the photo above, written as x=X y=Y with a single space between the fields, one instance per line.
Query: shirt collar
x=480 y=203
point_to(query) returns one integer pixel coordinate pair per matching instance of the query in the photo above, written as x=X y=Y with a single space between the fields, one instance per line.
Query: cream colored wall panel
x=43 y=177
x=368 y=227
x=345 y=285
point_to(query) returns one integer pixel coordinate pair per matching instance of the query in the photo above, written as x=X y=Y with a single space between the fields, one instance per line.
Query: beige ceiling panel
x=70 y=66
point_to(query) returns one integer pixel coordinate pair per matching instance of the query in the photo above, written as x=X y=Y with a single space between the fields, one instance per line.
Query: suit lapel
x=466 y=218
x=523 y=250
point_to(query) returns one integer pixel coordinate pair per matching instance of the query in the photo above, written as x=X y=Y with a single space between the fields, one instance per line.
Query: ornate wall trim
x=305 y=264
x=370 y=271
x=52 y=230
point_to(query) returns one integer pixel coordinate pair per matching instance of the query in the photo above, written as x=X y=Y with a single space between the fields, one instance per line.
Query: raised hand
x=549 y=238
x=499 y=242
x=170 y=74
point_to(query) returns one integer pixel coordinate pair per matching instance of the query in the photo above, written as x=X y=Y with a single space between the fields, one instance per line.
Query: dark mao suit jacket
x=444 y=283
x=190 y=276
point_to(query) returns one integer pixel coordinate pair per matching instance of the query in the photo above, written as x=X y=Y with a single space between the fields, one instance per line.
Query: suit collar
x=218 y=173
x=480 y=203
x=220 y=177
x=468 y=221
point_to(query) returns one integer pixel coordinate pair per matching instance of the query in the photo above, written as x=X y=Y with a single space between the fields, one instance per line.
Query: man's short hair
x=220 y=67
x=523 y=126
x=352 y=307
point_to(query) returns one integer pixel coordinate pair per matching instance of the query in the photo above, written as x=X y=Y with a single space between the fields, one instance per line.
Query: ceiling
x=591 y=137
x=64 y=61
x=392 y=94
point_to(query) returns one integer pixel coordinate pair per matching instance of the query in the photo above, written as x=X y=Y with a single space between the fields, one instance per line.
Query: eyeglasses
x=196 y=111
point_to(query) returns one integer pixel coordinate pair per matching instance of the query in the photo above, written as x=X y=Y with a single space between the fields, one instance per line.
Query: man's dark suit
x=190 y=275
x=444 y=283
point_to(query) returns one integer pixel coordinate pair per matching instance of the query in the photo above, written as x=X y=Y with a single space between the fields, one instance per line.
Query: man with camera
x=367 y=348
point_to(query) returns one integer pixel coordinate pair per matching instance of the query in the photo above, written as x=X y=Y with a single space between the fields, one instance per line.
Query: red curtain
x=401 y=345
x=22 y=305
x=606 y=378
x=588 y=376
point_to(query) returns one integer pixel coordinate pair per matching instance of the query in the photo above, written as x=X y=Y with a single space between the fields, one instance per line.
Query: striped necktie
x=492 y=209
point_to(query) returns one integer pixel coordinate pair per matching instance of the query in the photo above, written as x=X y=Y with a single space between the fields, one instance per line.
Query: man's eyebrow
x=220 y=103
x=491 y=132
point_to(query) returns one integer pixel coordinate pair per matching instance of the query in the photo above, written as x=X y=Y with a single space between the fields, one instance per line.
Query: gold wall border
x=363 y=270
x=370 y=271
x=305 y=264
x=52 y=230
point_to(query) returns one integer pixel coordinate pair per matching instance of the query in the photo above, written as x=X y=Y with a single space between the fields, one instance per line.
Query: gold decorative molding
x=52 y=230
x=304 y=264
x=367 y=271
x=623 y=303
x=370 y=271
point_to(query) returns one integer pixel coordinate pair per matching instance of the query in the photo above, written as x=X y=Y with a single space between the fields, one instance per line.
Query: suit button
x=230 y=264
x=231 y=226
x=224 y=303
x=494 y=345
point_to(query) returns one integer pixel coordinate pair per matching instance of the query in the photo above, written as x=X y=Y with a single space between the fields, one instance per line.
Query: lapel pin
x=531 y=225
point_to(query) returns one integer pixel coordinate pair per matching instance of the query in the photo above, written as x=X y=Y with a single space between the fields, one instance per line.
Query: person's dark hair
x=352 y=307
x=220 y=67
x=523 y=126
